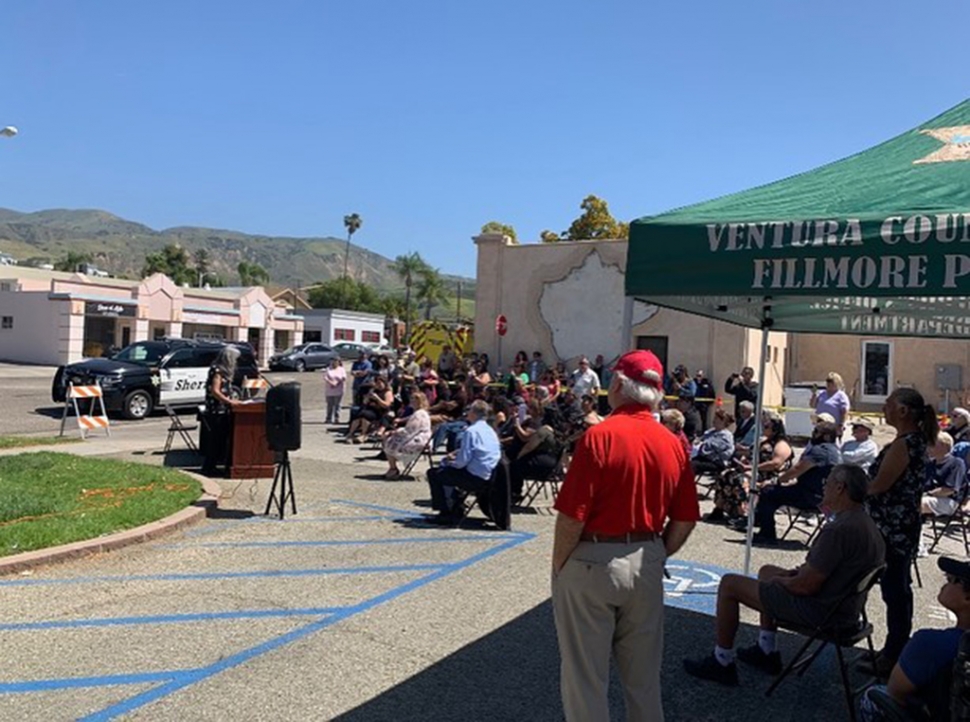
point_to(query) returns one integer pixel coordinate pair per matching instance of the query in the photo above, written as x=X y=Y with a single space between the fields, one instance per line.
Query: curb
x=68 y=552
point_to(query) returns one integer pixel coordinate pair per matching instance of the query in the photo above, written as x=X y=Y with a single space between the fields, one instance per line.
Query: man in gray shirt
x=862 y=450
x=845 y=549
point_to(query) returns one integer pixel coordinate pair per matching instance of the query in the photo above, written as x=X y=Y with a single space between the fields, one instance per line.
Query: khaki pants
x=609 y=597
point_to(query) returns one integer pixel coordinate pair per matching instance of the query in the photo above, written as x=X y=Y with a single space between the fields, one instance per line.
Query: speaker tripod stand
x=283 y=480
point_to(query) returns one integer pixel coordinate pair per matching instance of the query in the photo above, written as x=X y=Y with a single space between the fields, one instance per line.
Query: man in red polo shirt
x=628 y=502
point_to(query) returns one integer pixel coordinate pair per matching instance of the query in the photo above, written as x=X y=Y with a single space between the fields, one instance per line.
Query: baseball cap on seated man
x=956 y=568
x=642 y=367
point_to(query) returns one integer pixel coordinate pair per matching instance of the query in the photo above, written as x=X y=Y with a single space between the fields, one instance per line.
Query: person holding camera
x=742 y=387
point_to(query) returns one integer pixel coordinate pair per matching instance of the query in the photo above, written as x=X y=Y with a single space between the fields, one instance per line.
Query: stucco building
x=333 y=325
x=566 y=300
x=49 y=317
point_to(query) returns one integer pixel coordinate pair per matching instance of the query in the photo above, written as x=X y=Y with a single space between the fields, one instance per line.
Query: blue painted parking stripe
x=376 y=507
x=49 y=685
x=195 y=676
x=168 y=619
x=359 y=542
x=222 y=575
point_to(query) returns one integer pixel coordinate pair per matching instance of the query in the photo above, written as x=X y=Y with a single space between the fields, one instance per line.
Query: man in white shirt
x=584 y=380
x=862 y=450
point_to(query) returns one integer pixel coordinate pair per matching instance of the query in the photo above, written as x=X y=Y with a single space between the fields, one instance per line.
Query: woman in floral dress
x=405 y=444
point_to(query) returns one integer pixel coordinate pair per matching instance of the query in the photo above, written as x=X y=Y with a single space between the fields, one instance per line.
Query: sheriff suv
x=147 y=374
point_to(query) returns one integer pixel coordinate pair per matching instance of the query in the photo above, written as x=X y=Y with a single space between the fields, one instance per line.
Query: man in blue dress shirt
x=469 y=467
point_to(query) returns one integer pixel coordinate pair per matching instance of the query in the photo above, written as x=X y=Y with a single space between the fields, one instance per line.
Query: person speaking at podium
x=214 y=441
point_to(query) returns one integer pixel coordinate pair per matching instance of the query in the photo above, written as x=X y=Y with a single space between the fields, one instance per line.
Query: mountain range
x=119 y=247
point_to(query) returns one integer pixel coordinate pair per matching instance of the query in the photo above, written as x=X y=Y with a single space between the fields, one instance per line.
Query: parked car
x=146 y=374
x=377 y=349
x=350 y=350
x=303 y=357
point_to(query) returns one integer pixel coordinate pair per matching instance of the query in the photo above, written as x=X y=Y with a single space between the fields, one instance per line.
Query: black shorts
x=782 y=605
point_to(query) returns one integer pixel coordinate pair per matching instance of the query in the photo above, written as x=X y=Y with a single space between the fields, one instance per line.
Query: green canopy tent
x=874 y=244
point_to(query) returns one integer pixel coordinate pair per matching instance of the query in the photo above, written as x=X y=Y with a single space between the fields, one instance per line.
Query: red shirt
x=629 y=474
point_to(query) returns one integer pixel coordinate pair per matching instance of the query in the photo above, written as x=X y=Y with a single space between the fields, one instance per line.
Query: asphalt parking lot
x=353 y=609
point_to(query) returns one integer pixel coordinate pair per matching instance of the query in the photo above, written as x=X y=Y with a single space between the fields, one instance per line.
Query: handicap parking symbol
x=692 y=586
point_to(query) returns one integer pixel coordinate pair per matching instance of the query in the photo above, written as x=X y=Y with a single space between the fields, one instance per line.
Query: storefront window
x=344 y=334
x=370 y=336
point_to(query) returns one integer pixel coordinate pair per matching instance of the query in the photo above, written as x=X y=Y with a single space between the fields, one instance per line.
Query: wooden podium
x=250 y=455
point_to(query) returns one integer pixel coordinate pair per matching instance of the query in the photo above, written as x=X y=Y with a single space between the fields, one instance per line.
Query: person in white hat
x=959 y=427
x=861 y=450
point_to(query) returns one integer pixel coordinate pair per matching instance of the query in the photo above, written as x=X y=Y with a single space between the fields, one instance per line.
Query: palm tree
x=431 y=290
x=407 y=267
x=352 y=223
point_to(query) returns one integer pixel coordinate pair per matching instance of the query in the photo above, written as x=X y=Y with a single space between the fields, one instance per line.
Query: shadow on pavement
x=513 y=674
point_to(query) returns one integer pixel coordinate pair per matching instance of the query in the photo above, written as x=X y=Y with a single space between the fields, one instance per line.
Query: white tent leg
x=626 y=337
x=755 y=452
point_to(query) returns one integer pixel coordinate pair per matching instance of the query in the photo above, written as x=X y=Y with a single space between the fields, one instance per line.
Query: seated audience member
x=716 y=447
x=861 y=450
x=745 y=428
x=469 y=467
x=959 y=427
x=846 y=548
x=448 y=414
x=428 y=380
x=919 y=684
x=800 y=487
x=674 y=421
x=945 y=477
x=517 y=382
x=478 y=379
x=550 y=379
x=539 y=456
x=536 y=367
x=692 y=418
x=447 y=363
x=404 y=445
x=591 y=417
x=731 y=488
x=376 y=405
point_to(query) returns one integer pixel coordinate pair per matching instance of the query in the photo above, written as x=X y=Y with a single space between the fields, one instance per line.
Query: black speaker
x=283 y=421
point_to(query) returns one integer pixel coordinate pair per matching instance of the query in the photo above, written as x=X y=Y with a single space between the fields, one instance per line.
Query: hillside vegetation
x=119 y=246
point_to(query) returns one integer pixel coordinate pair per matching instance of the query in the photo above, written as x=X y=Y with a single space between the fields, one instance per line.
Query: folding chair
x=713 y=478
x=940 y=525
x=494 y=500
x=177 y=427
x=427 y=452
x=808 y=515
x=829 y=633
x=547 y=485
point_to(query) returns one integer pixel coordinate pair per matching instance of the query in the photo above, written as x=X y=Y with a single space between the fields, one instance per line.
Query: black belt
x=631 y=537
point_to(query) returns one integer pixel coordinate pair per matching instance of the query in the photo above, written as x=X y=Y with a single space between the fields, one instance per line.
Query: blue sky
x=430 y=118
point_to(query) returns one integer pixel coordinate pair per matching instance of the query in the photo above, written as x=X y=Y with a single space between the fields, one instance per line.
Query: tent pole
x=626 y=339
x=756 y=451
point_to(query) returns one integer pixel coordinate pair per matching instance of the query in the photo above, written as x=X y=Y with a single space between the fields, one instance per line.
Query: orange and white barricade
x=92 y=421
x=252 y=387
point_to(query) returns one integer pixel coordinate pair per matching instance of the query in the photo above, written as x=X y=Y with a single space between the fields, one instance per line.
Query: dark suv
x=140 y=377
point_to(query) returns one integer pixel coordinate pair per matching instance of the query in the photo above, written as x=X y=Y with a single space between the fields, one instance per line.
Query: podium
x=250 y=456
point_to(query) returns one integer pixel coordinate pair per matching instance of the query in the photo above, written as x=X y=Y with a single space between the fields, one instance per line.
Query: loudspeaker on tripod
x=283 y=417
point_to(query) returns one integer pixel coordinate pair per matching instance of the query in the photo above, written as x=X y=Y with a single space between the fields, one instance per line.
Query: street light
x=8 y=132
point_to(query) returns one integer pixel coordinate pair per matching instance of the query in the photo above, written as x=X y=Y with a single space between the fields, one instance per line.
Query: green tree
x=201 y=258
x=252 y=274
x=596 y=222
x=345 y=293
x=431 y=290
x=71 y=261
x=173 y=261
x=548 y=236
x=408 y=267
x=352 y=223
x=503 y=228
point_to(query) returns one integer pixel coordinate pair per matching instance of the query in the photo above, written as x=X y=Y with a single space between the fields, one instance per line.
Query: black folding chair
x=177 y=427
x=940 y=525
x=495 y=499
x=796 y=515
x=548 y=485
x=828 y=632
x=427 y=452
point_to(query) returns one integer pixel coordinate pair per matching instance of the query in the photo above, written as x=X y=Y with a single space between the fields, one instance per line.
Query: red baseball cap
x=641 y=366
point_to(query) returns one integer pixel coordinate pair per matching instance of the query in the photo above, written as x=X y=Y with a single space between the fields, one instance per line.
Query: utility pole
x=458 y=309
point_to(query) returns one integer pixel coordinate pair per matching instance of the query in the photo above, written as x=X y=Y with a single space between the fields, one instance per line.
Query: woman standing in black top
x=895 y=488
x=214 y=438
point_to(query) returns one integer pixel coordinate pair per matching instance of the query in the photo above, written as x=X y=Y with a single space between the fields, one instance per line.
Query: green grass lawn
x=15 y=442
x=48 y=499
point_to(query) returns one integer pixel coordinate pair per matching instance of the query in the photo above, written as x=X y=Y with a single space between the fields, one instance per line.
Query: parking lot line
x=168 y=619
x=354 y=542
x=110 y=680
